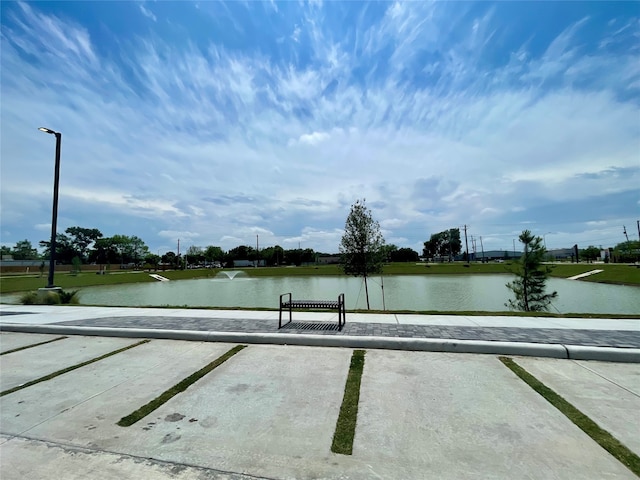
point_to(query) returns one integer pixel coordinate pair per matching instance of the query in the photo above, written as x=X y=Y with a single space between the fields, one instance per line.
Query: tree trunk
x=366 y=289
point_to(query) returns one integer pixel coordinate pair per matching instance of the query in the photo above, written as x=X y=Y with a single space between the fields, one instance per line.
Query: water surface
x=401 y=292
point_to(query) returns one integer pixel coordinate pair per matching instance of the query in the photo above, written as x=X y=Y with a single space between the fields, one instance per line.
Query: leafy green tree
x=64 y=249
x=24 y=251
x=388 y=251
x=361 y=244
x=213 y=254
x=404 y=255
x=194 y=255
x=443 y=244
x=130 y=249
x=627 y=251
x=171 y=258
x=590 y=253
x=119 y=249
x=82 y=238
x=5 y=251
x=529 y=286
x=293 y=256
x=104 y=252
x=308 y=255
x=241 y=252
x=152 y=260
x=272 y=255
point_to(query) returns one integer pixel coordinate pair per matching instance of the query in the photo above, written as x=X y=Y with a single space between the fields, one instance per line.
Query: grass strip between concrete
x=347 y=419
x=70 y=369
x=588 y=426
x=33 y=345
x=145 y=410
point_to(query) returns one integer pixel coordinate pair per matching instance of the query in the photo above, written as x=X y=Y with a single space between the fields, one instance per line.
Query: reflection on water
x=401 y=292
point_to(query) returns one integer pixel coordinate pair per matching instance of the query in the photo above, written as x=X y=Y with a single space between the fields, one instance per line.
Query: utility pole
x=482 y=247
x=624 y=229
x=466 y=243
x=178 y=247
x=638 y=223
x=473 y=247
x=257 y=250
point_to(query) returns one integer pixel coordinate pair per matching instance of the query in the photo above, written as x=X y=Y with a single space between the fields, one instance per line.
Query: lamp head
x=47 y=130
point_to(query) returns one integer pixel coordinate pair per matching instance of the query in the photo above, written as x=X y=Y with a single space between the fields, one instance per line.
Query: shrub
x=29 y=298
x=50 y=298
x=67 y=298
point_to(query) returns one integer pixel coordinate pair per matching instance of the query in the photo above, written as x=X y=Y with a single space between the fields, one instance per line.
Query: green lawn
x=613 y=273
x=10 y=284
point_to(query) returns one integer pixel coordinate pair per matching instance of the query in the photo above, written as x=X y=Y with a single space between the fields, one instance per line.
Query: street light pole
x=54 y=216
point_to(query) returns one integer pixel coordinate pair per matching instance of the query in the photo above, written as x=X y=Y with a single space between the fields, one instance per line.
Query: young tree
x=362 y=244
x=529 y=286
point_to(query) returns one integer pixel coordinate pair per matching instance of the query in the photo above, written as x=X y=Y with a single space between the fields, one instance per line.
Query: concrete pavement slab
x=625 y=376
x=11 y=341
x=26 y=365
x=4 y=438
x=84 y=405
x=271 y=411
x=72 y=463
x=608 y=402
x=268 y=411
x=427 y=415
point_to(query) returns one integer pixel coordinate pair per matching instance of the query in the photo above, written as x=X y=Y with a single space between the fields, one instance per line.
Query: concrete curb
x=574 y=352
x=604 y=354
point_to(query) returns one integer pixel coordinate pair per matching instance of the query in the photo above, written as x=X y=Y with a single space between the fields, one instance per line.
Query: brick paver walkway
x=600 y=338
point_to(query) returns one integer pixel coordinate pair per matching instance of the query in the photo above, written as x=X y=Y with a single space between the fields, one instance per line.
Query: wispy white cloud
x=146 y=12
x=233 y=144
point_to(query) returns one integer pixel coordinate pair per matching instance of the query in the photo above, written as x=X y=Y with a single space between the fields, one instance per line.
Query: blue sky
x=216 y=122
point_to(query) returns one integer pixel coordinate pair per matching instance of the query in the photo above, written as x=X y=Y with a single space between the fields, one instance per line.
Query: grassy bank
x=613 y=273
x=11 y=284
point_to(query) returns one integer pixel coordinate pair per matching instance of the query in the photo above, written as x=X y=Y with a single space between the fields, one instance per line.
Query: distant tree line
x=88 y=245
x=80 y=245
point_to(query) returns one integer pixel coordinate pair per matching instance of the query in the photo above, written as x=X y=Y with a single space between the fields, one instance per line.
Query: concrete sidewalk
x=576 y=338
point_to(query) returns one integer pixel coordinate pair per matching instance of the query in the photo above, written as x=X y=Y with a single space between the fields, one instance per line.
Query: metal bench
x=290 y=304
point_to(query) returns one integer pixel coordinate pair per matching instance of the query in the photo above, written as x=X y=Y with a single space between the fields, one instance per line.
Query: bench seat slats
x=311 y=304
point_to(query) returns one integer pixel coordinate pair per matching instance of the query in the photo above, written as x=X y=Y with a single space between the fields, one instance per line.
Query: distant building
x=248 y=263
x=561 y=253
x=328 y=259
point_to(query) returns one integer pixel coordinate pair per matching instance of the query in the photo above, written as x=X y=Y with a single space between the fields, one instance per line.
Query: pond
x=401 y=292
